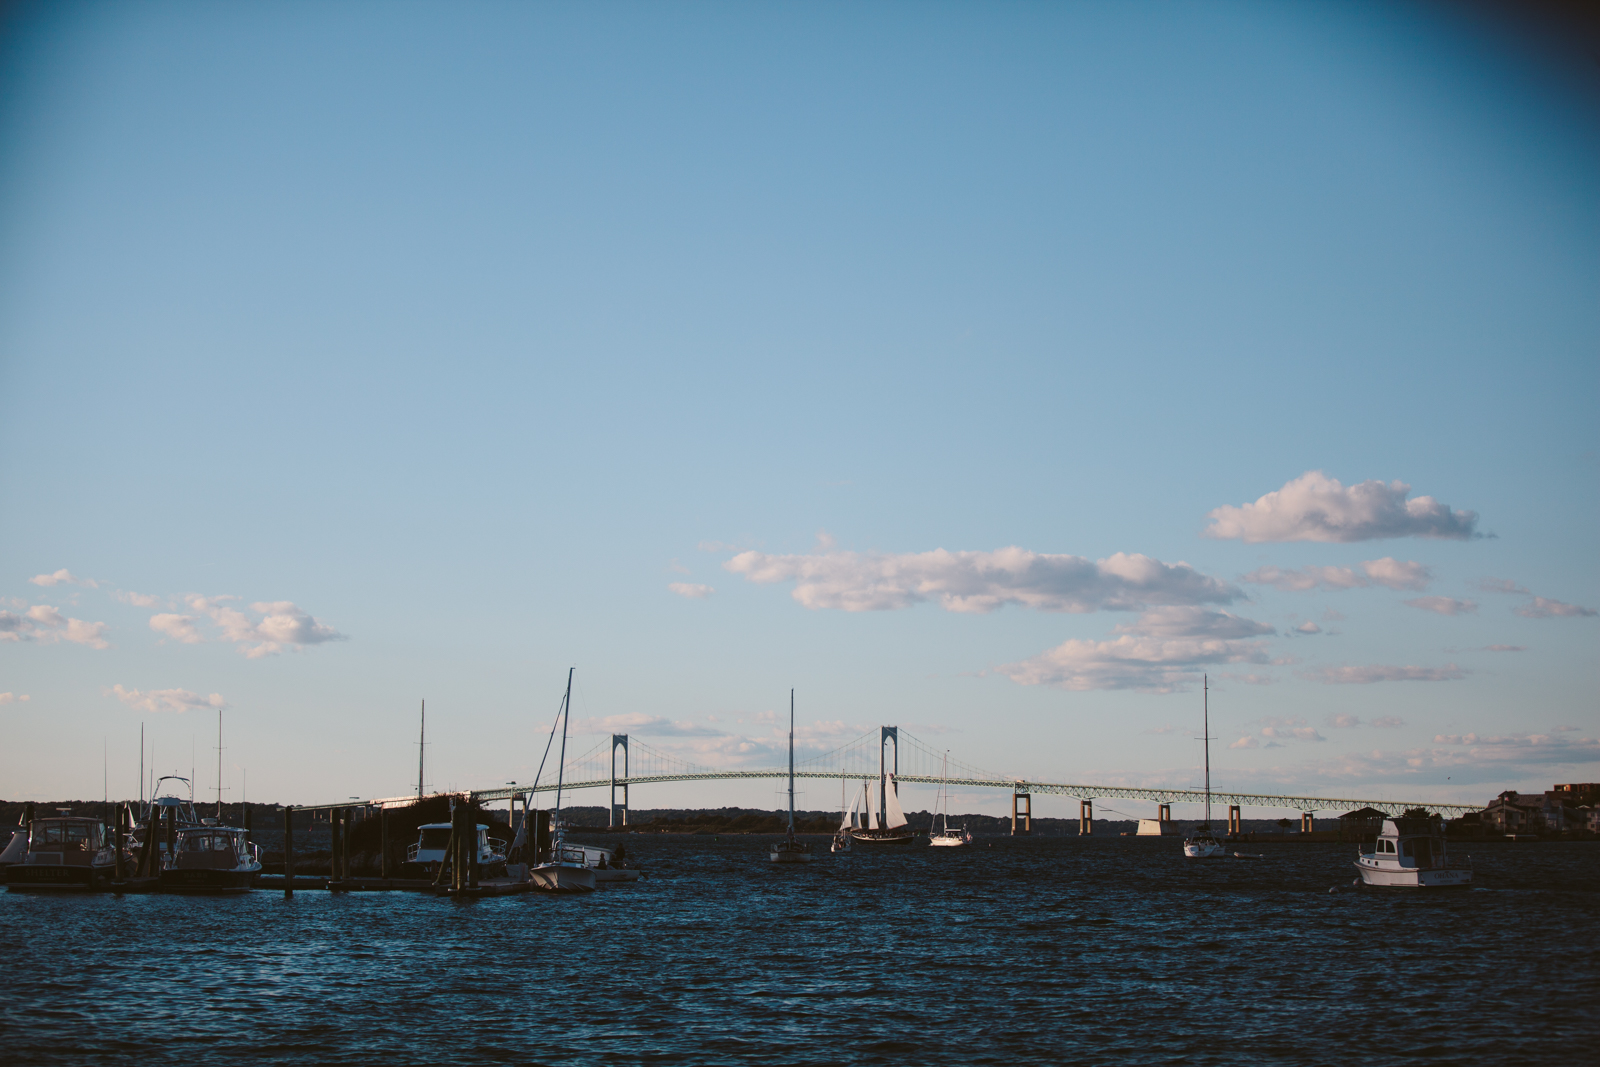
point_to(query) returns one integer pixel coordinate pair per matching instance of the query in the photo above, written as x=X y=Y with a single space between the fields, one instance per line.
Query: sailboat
x=876 y=818
x=789 y=850
x=1203 y=844
x=564 y=870
x=944 y=837
x=841 y=839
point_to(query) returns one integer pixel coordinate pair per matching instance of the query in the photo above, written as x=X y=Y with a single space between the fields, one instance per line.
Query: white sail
x=850 y=814
x=896 y=817
x=872 y=805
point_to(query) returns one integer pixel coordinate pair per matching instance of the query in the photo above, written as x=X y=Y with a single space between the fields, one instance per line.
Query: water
x=1049 y=950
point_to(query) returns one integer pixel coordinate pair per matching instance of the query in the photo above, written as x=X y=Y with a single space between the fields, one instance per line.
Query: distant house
x=1553 y=811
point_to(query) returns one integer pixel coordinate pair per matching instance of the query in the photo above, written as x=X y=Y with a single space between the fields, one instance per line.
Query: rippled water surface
x=1046 y=950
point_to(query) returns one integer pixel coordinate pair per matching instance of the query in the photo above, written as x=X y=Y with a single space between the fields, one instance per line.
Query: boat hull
x=1414 y=877
x=883 y=837
x=209 y=880
x=561 y=878
x=941 y=842
x=25 y=877
x=783 y=855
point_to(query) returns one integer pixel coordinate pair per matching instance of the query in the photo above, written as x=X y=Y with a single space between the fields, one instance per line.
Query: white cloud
x=63 y=577
x=1250 y=679
x=1388 y=722
x=1314 y=507
x=283 y=626
x=1445 y=605
x=1465 y=758
x=1388 y=571
x=138 y=600
x=1344 y=722
x=1541 y=608
x=983 y=581
x=1502 y=585
x=1159 y=653
x=1505 y=648
x=1365 y=675
x=1246 y=742
x=8 y=698
x=1308 y=627
x=178 y=627
x=1289 y=729
x=644 y=725
x=47 y=624
x=158 y=700
x=693 y=592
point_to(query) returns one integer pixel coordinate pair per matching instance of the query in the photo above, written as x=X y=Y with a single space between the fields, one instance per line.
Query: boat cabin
x=1411 y=843
x=211 y=848
x=68 y=841
x=433 y=839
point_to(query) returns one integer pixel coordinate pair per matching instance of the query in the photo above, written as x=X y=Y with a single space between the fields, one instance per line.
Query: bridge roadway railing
x=1017 y=785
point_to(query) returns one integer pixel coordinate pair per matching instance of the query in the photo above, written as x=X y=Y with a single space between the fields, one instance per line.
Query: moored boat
x=564 y=869
x=64 y=852
x=211 y=859
x=944 y=837
x=1203 y=843
x=1410 y=853
x=433 y=844
x=791 y=850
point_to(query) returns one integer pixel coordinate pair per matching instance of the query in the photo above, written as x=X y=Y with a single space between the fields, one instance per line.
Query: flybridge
x=864 y=759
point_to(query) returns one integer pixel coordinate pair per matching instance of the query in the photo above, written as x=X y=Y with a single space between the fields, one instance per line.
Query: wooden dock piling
x=288 y=851
x=383 y=835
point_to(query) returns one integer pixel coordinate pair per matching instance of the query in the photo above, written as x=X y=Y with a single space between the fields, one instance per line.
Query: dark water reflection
x=1034 y=951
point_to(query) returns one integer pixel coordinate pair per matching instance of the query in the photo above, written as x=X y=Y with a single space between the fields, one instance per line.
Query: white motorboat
x=433 y=843
x=790 y=850
x=64 y=852
x=1203 y=843
x=1410 y=853
x=211 y=859
x=944 y=837
x=606 y=863
x=564 y=869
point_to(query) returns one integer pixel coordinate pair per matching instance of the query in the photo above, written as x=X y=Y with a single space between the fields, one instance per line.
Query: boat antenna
x=566 y=717
x=422 y=745
x=791 y=763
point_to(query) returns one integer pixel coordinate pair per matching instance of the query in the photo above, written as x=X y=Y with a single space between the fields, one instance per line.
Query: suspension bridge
x=618 y=762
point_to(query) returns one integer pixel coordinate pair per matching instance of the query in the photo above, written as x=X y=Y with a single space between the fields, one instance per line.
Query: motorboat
x=1410 y=853
x=433 y=844
x=944 y=837
x=64 y=852
x=790 y=849
x=211 y=858
x=1203 y=844
x=564 y=870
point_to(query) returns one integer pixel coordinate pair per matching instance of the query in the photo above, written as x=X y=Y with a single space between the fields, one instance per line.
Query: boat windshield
x=79 y=835
x=212 y=842
x=434 y=839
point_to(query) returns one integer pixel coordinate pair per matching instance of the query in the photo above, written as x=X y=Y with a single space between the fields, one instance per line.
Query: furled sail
x=895 y=817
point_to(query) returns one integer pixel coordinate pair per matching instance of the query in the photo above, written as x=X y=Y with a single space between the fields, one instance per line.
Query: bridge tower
x=616 y=741
x=885 y=735
x=1086 y=816
x=1021 y=811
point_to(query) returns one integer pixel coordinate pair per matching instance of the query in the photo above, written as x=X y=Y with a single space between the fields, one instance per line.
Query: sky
x=999 y=371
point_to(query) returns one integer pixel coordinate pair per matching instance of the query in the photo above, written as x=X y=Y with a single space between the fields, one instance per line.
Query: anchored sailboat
x=944 y=837
x=790 y=850
x=1203 y=844
x=564 y=870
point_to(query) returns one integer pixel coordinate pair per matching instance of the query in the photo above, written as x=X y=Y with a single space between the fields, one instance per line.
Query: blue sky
x=446 y=339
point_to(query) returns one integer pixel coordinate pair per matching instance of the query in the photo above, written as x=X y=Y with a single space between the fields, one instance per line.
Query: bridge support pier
x=1235 y=823
x=1164 y=813
x=1021 y=812
x=1085 y=817
x=1308 y=822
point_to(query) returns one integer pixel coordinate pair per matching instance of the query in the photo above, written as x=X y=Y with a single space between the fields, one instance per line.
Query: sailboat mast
x=219 y=764
x=422 y=747
x=791 y=763
x=1205 y=683
x=141 y=765
x=566 y=716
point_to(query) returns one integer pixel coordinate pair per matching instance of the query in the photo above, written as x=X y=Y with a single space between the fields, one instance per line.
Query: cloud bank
x=982 y=581
x=1540 y=608
x=63 y=577
x=1160 y=653
x=282 y=627
x=159 y=700
x=1367 y=675
x=1314 y=507
x=47 y=625
x=1388 y=571
x=1444 y=605
x=8 y=698
x=690 y=590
